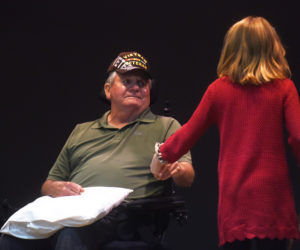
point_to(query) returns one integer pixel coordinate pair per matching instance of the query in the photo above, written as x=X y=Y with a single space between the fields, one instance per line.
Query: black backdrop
x=53 y=61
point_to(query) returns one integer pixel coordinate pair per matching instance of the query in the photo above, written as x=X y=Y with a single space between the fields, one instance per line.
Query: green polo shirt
x=97 y=154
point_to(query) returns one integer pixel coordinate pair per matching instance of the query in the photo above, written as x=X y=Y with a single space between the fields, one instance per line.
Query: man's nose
x=135 y=86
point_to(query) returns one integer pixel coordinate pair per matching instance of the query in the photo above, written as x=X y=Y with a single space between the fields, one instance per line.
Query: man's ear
x=150 y=83
x=107 y=87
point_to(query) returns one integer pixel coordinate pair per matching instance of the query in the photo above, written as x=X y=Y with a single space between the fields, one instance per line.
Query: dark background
x=52 y=67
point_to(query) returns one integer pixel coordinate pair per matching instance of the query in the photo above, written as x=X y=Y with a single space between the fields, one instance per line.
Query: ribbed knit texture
x=255 y=193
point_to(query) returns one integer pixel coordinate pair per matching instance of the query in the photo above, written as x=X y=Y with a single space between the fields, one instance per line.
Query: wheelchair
x=170 y=206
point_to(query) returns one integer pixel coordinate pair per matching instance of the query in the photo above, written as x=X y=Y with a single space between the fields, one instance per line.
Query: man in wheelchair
x=116 y=151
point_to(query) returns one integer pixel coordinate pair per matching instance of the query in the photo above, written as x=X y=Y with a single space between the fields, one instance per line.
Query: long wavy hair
x=253 y=53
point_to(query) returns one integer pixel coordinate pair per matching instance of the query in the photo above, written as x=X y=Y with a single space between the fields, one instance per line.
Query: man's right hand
x=61 y=188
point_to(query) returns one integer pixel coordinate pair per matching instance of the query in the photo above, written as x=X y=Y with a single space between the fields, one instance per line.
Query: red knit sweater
x=255 y=193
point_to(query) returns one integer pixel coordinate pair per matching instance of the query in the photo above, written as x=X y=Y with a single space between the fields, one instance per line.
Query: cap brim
x=123 y=71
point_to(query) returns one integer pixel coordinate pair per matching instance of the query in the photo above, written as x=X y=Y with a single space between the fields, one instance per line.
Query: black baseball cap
x=128 y=61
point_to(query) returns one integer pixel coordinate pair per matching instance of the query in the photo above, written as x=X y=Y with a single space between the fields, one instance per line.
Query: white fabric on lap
x=46 y=215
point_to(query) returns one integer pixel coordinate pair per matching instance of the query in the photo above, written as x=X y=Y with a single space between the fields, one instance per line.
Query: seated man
x=115 y=150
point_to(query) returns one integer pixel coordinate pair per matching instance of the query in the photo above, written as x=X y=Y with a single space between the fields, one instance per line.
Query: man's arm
x=184 y=174
x=60 y=188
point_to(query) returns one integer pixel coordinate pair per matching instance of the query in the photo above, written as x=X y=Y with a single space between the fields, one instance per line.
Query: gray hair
x=110 y=79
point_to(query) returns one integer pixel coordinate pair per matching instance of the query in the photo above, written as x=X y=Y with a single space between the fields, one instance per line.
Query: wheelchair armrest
x=173 y=205
x=160 y=203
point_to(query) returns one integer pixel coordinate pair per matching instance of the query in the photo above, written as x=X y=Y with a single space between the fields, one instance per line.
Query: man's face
x=131 y=89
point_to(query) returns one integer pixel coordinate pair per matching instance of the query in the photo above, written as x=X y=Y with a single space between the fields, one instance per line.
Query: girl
x=252 y=101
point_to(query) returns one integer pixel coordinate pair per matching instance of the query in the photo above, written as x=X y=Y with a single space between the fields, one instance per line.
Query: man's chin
x=133 y=101
x=135 y=104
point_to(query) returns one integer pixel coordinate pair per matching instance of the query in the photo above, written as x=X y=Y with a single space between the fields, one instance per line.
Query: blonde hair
x=253 y=53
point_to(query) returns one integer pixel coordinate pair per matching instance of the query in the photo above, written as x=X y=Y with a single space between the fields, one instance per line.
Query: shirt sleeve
x=61 y=170
x=184 y=138
x=292 y=119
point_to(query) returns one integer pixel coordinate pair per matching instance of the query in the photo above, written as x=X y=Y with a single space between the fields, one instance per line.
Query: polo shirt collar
x=146 y=117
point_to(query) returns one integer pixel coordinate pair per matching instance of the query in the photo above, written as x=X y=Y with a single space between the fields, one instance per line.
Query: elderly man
x=116 y=150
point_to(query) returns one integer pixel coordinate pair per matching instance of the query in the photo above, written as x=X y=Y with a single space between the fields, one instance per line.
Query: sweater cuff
x=158 y=153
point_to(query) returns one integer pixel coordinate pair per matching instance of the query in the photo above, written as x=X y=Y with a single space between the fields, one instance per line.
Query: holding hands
x=164 y=171
x=181 y=172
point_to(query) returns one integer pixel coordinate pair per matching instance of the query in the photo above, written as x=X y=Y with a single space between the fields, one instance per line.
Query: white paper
x=155 y=166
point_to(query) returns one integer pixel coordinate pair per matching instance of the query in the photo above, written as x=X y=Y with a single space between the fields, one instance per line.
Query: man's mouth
x=133 y=96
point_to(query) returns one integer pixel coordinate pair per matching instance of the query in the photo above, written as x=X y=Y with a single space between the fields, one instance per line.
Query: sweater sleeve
x=292 y=119
x=184 y=138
